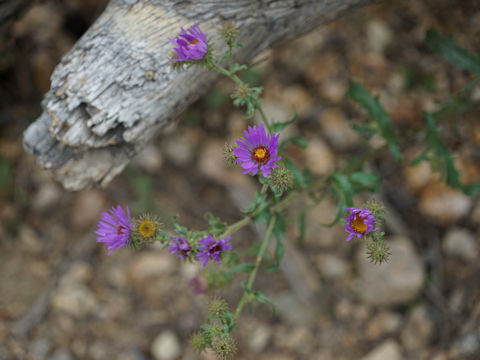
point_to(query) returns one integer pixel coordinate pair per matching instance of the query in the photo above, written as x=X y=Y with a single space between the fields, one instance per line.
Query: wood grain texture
x=115 y=88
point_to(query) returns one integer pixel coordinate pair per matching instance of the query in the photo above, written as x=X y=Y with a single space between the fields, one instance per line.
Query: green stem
x=253 y=274
x=236 y=226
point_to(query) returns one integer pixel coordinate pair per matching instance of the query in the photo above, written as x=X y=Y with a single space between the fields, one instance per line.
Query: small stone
x=151 y=265
x=180 y=149
x=319 y=158
x=337 y=129
x=388 y=350
x=166 y=346
x=467 y=344
x=302 y=316
x=394 y=282
x=332 y=267
x=88 y=207
x=61 y=354
x=418 y=330
x=379 y=35
x=38 y=349
x=460 y=242
x=47 y=196
x=418 y=176
x=74 y=299
x=384 y=323
x=150 y=159
x=259 y=338
x=444 y=204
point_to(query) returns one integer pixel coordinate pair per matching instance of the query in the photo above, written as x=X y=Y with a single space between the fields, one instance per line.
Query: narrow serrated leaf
x=279 y=126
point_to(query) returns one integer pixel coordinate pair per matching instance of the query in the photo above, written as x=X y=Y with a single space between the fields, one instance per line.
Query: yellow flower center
x=260 y=154
x=146 y=228
x=358 y=224
x=193 y=42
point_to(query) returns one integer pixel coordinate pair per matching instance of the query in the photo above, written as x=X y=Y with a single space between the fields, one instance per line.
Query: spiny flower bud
x=229 y=156
x=242 y=92
x=229 y=33
x=145 y=230
x=224 y=347
x=199 y=341
x=281 y=179
x=376 y=208
x=217 y=307
x=378 y=251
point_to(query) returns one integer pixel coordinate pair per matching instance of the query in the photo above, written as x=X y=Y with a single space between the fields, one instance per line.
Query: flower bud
x=224 y=347
x=229 y=33
x=376 y=208
x=217 y=307
x=199 y=341
x=281 y=179
x=378 y=251
x=229 y=156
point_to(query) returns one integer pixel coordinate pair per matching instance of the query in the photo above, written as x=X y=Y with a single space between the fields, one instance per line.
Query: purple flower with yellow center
x=180 y=246
x=192 y=45
x=257 y=150
x=114 y=228
x=359 y=223
x=209 y=248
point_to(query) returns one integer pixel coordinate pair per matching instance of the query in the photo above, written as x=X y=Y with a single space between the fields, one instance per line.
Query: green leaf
x=454 y=54
x=258 y=201
x=344 y=187
x=279 y=126
x=240 y=268
x=338 y=195
x=364 y=181
x=279 y=231
x=297 y=173
x=297 y=140
x=371 y=104
x=179 y=228
x=216 y=226
x=264 y=299
x=237 y=67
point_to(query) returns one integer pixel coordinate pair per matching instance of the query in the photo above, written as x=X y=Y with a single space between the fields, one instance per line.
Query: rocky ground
x=62 y=298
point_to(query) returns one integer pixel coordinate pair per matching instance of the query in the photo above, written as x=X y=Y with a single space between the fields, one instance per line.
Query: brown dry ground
x=62 y=298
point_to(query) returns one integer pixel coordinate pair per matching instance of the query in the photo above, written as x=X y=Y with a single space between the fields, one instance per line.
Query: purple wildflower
x=192 y=45
x=210 y=248
x=181 y=246
x=198 y=284
x=115 y=229
x=359 y=223
x=258 y=149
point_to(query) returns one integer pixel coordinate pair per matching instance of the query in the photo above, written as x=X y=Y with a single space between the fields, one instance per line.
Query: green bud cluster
x=377 y=250
x=224 y=347
x=377 y=209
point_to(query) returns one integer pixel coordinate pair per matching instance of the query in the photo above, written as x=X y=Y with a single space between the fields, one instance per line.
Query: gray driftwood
x=115 y=88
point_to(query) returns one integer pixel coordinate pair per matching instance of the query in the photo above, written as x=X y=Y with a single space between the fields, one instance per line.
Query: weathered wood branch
x=115 y=88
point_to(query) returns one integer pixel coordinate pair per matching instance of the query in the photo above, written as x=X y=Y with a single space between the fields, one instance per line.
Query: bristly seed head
x=377 y=209
x=229 y=33
x=224 y=347
x=217 y=307
x=378 y=251
x=281 y=178
x=199 y=341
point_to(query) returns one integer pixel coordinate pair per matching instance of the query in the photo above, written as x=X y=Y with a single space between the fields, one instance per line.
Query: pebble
x=259 y=337
x=386 y=322
x=88 y=207
x=46 y=197
x=418 y=176
x=460 y=242
x=331 y=266
x=149 y=159
x=394 y=282
x=337 y=129
x=74 y=299
x=444 y=204
x=388 y=350
x=61 y=354
x=302 y=315
x=150 y=265
x=38 y=349
x=319 y=158
x=418 y=330
x=166 y=346
x=379 y=35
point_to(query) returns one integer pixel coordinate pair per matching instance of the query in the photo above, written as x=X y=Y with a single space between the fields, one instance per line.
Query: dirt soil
x=62 y=298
